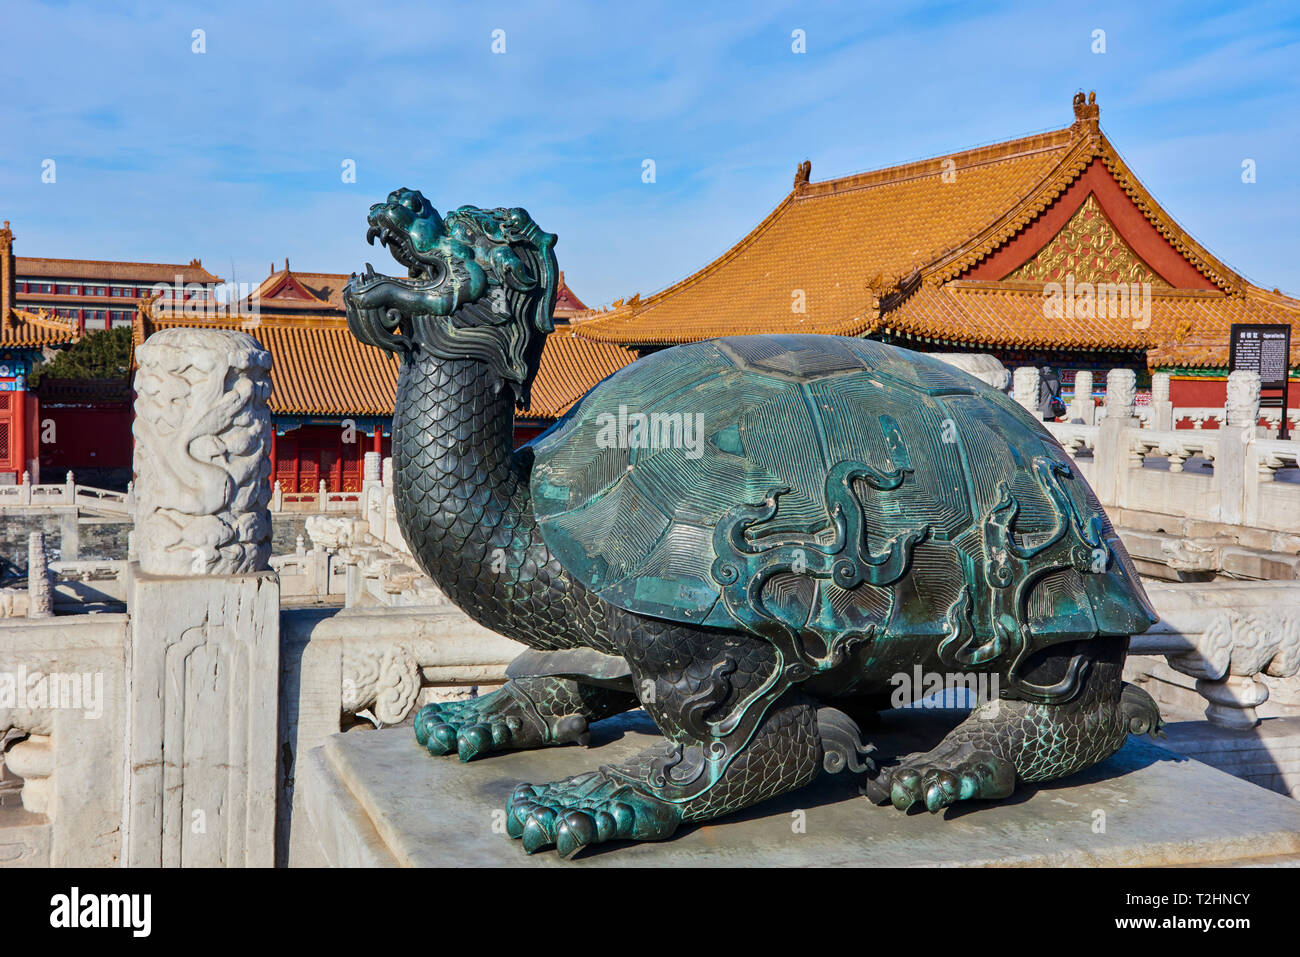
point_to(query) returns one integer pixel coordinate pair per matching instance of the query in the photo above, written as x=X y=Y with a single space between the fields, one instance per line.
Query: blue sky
x=234 y=155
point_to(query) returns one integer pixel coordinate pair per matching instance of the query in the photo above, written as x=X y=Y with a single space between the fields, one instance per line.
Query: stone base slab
x=1267 y=755
x=24 y=838
x=376 y=799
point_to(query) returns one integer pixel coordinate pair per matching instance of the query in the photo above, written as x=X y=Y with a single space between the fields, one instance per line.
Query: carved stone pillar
x=1112 y=453
x=1024 y=389
x=1121 y=393
x=1236 y=472
x=1162 y=409
x=204 y=609
x=373 y=493
x=202 y=433
x=1243 y=399
x=40 y=593
x=1232 y=700
x=1082 y=407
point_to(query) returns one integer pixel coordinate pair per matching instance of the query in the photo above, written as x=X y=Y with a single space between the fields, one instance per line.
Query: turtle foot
x=590 y=808
x=504 y=720
x=952 y=772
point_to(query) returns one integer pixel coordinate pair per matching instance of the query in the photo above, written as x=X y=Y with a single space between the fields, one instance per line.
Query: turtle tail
x=1141 y=712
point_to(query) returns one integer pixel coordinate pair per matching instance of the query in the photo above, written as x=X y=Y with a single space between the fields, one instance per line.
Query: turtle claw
x=534 y=836
x=475 y=740
x=941 y=778
x=588 y=809
x=574 y=832
x=905 y=790
x=478 y=726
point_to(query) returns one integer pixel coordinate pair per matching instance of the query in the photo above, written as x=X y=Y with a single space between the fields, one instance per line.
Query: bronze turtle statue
x=747 y=537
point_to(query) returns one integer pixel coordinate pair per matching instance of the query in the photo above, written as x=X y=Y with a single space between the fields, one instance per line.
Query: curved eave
x=598 y=328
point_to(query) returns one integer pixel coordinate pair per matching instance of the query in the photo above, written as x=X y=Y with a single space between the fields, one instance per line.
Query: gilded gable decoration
x=1089 y=248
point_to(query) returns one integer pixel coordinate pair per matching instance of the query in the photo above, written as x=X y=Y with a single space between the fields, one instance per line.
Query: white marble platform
x=376 y=799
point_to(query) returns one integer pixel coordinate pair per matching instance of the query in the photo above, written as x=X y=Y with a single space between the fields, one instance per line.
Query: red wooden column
x=379 y=439
x=18 y=425
x=273 y=460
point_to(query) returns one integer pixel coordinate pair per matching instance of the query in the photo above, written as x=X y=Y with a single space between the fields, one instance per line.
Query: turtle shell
x=829 y=486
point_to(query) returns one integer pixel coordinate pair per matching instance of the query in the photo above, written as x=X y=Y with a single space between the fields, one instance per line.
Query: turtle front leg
x=524 y=713
x=1006 y=741
x=605 y=805
x=687 y=678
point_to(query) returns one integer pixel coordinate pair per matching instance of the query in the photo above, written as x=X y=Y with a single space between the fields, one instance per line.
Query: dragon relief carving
x=202 y=433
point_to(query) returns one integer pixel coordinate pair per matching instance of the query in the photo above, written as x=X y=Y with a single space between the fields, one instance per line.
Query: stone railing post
x=25 y=496
x=1230 y=638
x=204 y=609
x=1242 y=406
x=386 y=472
x=1235 y=473
x=1081 y=407
x=70 y=489
x=40 y=592
x=322 y=496
x=33 y=761
x=1111 y=455
x=277 y=497
x=1024 y=389
x=1162 y=410
x=372 y=488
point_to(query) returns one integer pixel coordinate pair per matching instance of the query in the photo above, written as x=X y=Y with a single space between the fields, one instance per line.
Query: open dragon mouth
x=399 y=247
x=479 y=285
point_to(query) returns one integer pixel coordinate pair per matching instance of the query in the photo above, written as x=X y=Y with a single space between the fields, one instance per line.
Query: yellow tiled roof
x=886 y=252
x=570 y=367
x=31 y=330
x=1193 y=332
x=1184 y=328
x=317 y=366
x=112 y=270
x=835 y=247
x=320 y=368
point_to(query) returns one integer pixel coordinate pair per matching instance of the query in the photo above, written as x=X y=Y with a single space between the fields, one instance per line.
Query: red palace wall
x=526 y=433
x=18 y=417
x=303 y=456
x=97 y=437
x=1213 y=394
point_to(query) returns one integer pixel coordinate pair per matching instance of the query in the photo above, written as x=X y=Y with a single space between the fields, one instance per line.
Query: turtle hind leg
x=1005 y=741
x=532 y=712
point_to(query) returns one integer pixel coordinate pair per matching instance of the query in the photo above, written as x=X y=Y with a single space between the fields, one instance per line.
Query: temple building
x=332 y=400
x=46 y=304
x=94 y=294
x=332 y=397
x=1044 y=249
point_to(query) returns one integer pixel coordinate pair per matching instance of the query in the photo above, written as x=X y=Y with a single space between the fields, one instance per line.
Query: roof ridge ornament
x=1087 y=114
x=801 y=175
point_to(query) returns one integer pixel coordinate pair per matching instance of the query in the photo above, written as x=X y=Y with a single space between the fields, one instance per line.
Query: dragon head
x=480 y=285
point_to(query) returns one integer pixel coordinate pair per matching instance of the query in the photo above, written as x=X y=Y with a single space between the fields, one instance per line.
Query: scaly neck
x=465 y=509
x=459 y=488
